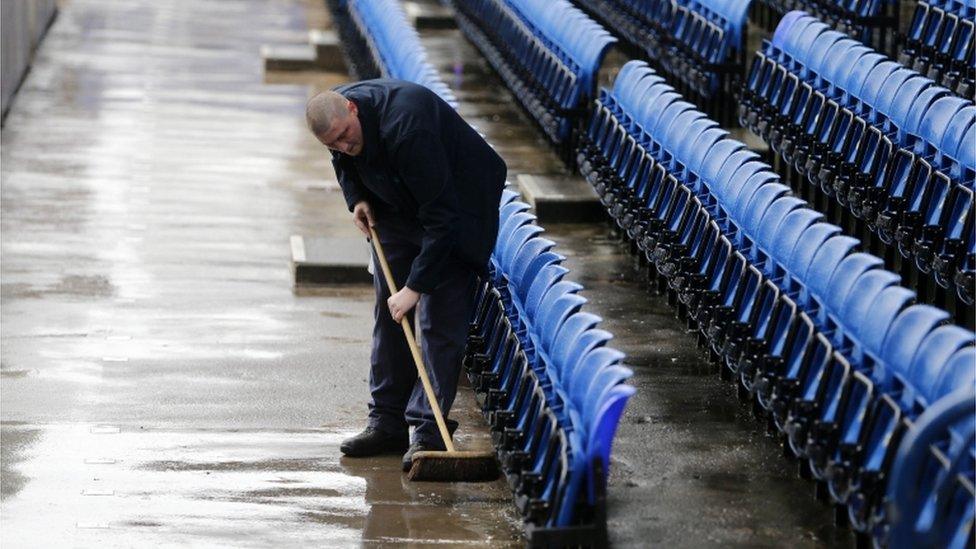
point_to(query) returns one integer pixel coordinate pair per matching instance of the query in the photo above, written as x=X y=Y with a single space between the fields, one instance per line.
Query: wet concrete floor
x=162 y=384
x=691 y=468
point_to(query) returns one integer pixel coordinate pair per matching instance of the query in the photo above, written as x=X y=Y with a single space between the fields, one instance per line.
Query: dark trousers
x=398 y=398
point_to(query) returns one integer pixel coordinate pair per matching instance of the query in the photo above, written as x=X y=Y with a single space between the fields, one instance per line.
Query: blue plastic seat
x=788 y=233
x=825 y=262
x=807 y=247
x=912 y=326
x=578 y=381
x=604 y=423
x=515 y=242
x=843 y=278
x=872 y=328
x=958 y=372
x=857 y=306
x=785 y=27
x=929 y=362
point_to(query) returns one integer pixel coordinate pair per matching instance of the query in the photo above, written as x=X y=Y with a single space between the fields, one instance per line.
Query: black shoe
x=373 y=442
x=419 y=447
x=425 y=446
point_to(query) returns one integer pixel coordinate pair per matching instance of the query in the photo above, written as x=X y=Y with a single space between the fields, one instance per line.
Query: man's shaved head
x=332 y=119
x=324 y=109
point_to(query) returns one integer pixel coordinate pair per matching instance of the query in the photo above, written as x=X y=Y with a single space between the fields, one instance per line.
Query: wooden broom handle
x=408 y=332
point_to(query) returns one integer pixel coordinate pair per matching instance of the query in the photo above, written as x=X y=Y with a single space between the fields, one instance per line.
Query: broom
x=440 y=466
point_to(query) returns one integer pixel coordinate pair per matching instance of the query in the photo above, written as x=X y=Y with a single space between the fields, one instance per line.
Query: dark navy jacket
x=422 y=162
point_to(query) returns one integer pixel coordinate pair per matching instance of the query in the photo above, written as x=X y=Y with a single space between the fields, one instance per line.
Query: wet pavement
x=691 y=467
x=162 y=383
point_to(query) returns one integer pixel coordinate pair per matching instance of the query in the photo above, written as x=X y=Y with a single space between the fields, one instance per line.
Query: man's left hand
x=402 y=302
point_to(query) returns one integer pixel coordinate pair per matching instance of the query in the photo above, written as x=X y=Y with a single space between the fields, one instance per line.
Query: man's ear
x=353 y=109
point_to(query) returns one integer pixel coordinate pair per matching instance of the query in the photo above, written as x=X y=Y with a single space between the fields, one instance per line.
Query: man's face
x=345 y=135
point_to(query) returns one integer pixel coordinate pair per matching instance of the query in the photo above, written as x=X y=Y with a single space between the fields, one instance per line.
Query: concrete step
x=318 y=260
x=560 y=199
x=288 y=57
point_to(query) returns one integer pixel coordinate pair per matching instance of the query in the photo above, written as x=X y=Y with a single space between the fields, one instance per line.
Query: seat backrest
x=958 y=372
x=844 y=277
x=874 y=82
x=933 y=355
x=907 y=333
x=518 y=239
x=751 y=211
x=766 y=235
x=547 y=277
x=862 y=294
x=955 y=131
x=553 y=313
x=808 y=245
x=785 y=27
x=694 y=157
x=608 y=378
x=873 y=327
x=789 y=231
x=569 y=332
x=588 y=368
x=525 y=274
x=604 y=426
x=825 y=261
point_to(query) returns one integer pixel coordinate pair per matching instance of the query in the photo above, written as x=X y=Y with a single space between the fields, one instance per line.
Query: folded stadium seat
x=853 y=78
x=907 y=333
x=562 y=345
x=588 y=368
x=692 y=154
x=514 y=240
x=868 y=96
x=958 y=372
x=785 y=28
x=857 y=306
x=603 y=415
x=554 y=310
x=930 y=364
x=825 y=263
x=934 y=455
x=802 y=254
x=953 y=144
x=749 y=209
x=533 y=257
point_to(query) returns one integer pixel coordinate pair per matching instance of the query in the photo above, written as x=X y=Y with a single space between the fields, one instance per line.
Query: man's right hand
x=362 y=216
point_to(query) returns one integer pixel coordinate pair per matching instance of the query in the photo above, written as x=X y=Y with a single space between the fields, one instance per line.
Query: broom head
x=434 y=466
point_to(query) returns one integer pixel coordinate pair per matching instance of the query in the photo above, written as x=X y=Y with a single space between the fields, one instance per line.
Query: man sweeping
x=413 y=169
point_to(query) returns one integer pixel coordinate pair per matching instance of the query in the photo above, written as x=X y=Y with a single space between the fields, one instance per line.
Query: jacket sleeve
x=422 y=165
x=352 y=187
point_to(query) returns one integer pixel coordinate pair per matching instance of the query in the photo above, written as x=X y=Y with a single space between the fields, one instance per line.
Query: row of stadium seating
x=551 y=389
x=888 y=150
x=941 y=44
x=395 y=45
x=698 y=44
x=831 y=350
x=547 y=52
x=873 y=22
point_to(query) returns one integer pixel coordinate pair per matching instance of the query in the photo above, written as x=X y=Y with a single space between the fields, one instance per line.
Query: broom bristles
x=454 y=467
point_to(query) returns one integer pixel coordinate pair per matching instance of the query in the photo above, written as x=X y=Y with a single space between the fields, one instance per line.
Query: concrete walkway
x=161 y=382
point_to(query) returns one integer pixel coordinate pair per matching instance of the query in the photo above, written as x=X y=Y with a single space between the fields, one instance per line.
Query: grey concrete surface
x=161 y=382
x=690 y=468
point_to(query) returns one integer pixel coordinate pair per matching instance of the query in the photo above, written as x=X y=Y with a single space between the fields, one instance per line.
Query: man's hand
x=362 y=216
x=402 y=302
